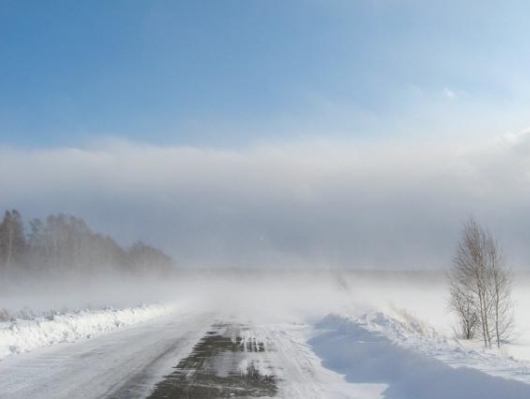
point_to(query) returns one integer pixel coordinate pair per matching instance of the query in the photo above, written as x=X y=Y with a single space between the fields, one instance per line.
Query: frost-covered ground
x=323 y=335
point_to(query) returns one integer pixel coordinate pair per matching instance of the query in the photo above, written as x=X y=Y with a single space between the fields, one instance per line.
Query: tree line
x=65 y=244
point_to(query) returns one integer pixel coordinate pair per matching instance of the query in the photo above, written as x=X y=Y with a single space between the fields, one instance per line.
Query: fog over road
x=292 y=335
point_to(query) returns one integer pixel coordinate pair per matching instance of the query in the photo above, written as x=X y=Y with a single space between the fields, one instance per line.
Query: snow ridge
x=412 y=333
x=21 y=335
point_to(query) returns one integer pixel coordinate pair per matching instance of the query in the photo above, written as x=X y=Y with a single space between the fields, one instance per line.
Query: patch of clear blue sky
x=226 y=72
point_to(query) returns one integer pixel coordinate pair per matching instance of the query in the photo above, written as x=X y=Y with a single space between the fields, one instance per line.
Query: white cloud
x=450 y=94
x=317 y=203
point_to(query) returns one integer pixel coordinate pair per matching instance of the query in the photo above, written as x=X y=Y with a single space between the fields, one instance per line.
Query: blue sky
x=229 y=73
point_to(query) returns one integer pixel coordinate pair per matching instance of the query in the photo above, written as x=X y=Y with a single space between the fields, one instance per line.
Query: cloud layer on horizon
x=317 y=204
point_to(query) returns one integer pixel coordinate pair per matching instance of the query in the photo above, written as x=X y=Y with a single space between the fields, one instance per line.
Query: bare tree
x=481 y=286
x=469 y=276
x=500 y=295
x=463 y=304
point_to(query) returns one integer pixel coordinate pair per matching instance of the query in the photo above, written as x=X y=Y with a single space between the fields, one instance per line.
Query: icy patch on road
x=24 y=335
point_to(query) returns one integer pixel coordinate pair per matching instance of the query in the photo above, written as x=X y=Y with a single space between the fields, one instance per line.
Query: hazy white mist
x=314 y=204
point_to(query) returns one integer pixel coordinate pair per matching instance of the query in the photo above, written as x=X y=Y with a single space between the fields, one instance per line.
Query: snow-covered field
x=335 y=335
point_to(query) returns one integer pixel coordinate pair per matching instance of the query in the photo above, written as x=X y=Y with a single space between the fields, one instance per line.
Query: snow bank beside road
x=19 y=336
x=411 y=333
x=366 y=355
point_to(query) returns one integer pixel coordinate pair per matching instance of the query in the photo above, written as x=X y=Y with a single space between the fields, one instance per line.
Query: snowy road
x=128 y=362
x=208 y=355
x=240 y=358
x=122 y=364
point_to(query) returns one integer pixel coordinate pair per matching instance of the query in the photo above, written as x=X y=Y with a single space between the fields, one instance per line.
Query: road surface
x=209 y=355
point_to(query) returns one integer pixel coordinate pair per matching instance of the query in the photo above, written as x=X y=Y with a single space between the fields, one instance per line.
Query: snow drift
x=17 y=336
x=364 y=355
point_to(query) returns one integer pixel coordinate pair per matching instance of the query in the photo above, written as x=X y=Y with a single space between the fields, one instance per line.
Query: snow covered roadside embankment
x=410 y=333
x=366 y=356
x=24 y=335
